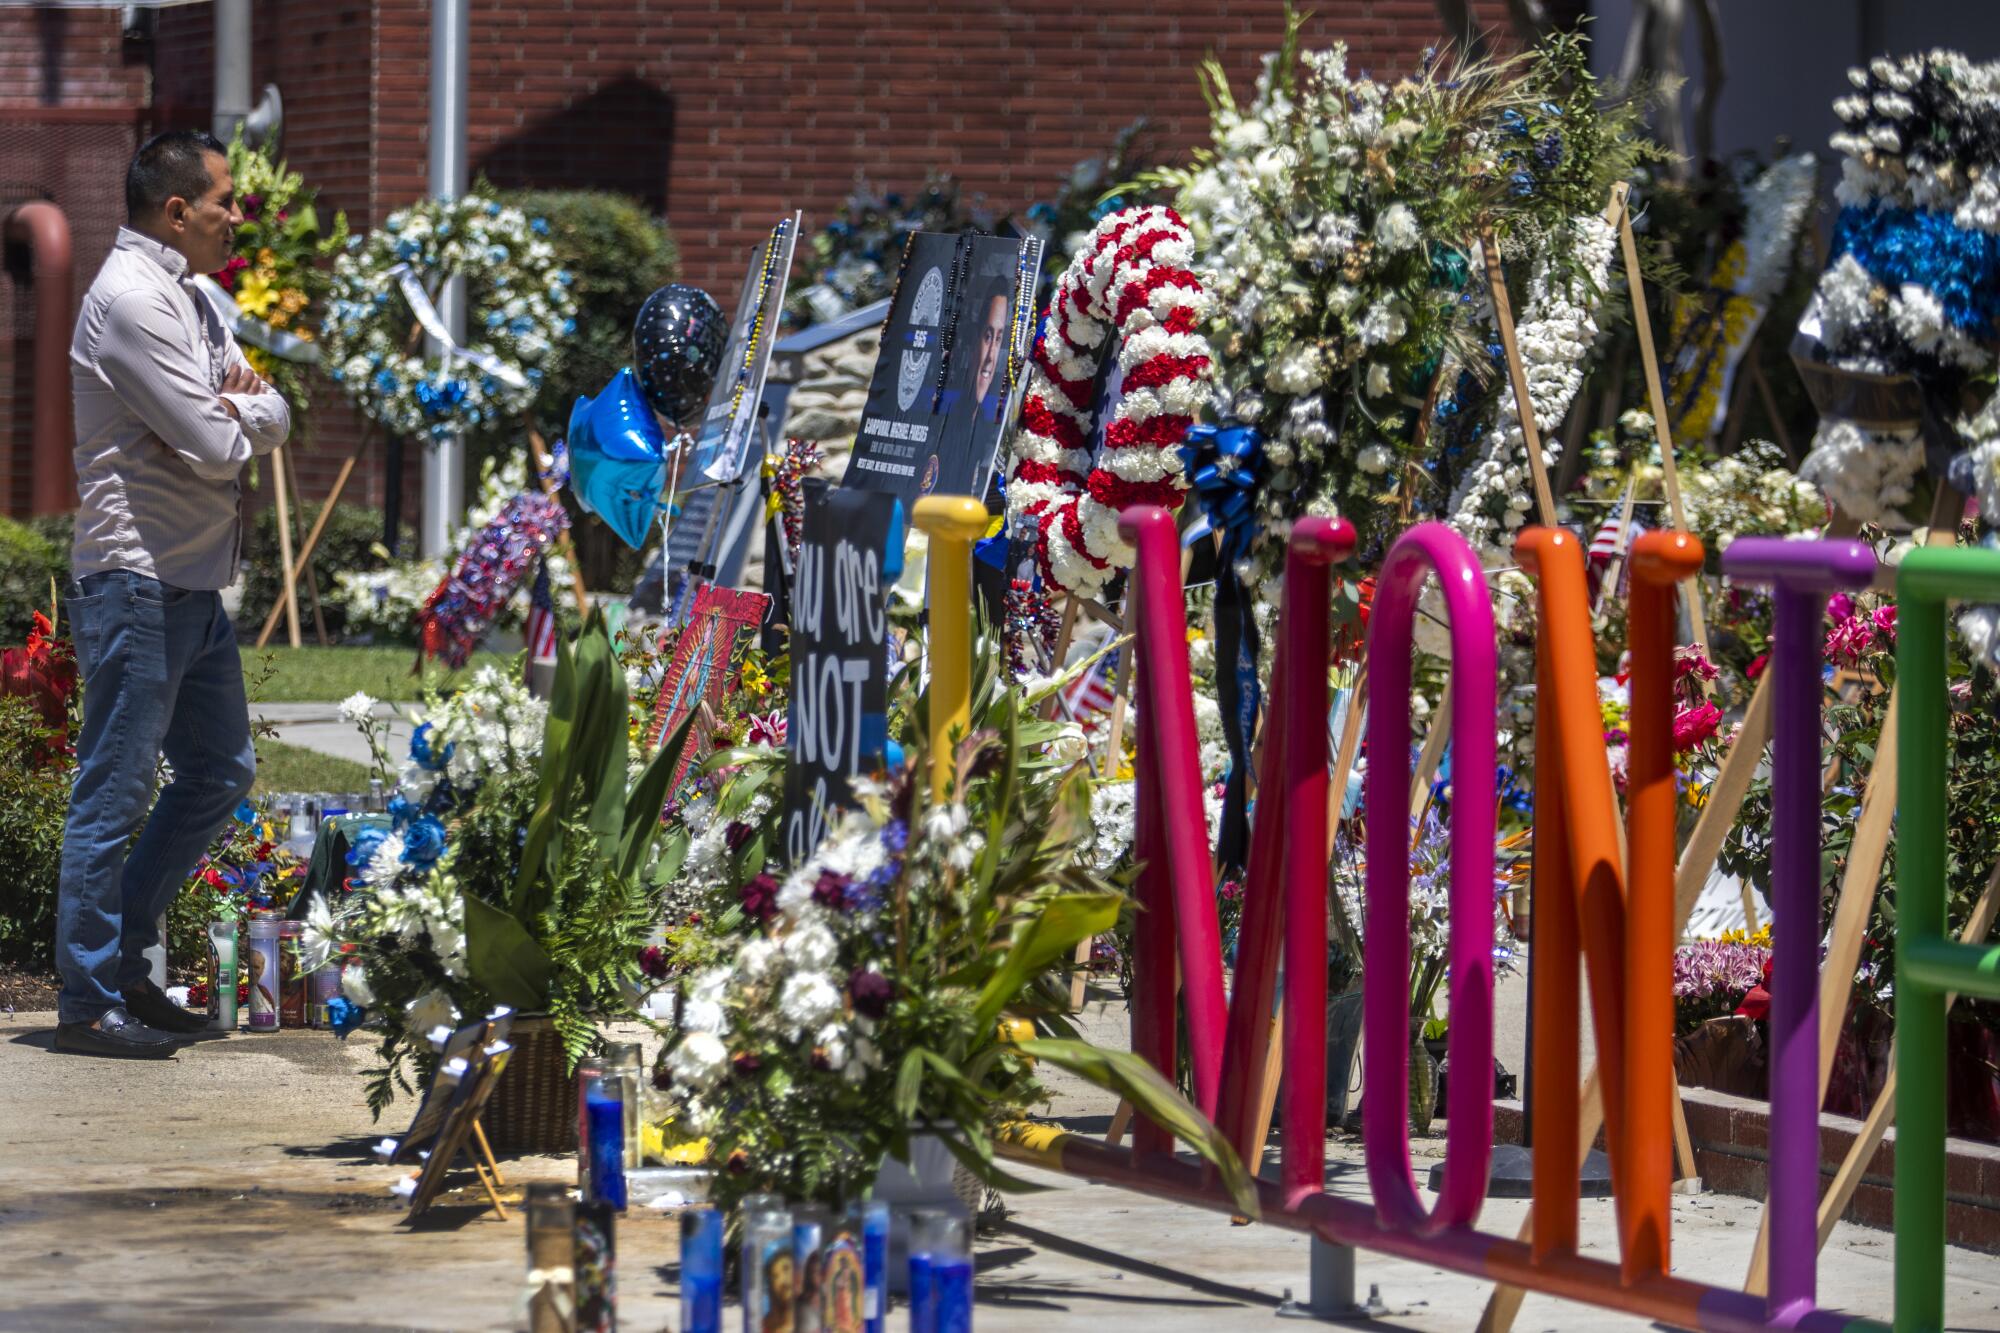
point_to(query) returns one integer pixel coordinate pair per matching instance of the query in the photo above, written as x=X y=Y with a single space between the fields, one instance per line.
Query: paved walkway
x=232 y=1187
x=320 y=727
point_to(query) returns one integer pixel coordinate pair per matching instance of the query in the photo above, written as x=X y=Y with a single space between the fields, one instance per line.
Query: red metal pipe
x=1460 y=1249
x=42 y=227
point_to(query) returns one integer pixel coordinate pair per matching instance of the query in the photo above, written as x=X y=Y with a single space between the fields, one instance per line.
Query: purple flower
x=760 y=898
x=831 y=890
x=746 y=1063
x=896 y=835
x=737 y=834
x=653 y=961
x=871 y=993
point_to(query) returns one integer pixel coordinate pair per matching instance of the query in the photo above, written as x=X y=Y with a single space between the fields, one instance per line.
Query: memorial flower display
x=277 y=274
x=902 y=979
x=1338 y=217
x=521 y=867
x=518 y=303
x=1901 y=332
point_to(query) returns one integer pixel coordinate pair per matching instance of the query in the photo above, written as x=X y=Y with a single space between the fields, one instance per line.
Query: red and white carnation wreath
x=1129 y=280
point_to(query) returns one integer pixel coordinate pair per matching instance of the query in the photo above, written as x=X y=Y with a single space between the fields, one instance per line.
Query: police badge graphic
x=926 y=311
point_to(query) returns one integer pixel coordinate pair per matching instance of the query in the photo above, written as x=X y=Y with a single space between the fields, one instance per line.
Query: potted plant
x=537 y=894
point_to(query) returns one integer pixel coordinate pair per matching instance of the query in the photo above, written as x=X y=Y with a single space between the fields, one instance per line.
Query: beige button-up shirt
x=157 y=454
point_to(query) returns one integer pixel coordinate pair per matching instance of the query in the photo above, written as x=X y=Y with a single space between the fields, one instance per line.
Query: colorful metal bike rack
x=1929 y=964
x=1586 y=903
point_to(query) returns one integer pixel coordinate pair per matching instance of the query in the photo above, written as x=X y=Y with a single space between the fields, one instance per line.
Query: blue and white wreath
x=518 y=303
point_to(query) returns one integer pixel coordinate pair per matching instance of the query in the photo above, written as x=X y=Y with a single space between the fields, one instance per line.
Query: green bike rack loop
x=1928 y=962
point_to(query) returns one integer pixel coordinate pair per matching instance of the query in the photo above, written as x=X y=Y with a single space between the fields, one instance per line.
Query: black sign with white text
x=850 y=555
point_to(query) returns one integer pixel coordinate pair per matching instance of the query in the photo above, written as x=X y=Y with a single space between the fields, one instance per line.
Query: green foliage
x=31 y=565
x=562 y=932
x=34 y=800
x=618 y=254
x=351 y=543
x=276 y=274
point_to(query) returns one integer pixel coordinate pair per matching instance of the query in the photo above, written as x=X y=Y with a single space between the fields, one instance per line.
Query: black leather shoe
x=150 y=1005
x=116 y=1034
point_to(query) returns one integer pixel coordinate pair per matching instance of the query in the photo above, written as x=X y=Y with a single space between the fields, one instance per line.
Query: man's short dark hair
x=169 y=164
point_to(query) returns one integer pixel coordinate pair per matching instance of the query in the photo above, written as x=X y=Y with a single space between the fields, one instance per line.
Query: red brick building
x=718 y=116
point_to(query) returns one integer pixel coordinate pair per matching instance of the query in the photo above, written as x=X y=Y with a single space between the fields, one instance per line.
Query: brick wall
x=72 y=102
x=721 y=116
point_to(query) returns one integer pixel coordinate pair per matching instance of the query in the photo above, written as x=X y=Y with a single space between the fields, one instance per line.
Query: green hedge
x=347 y=545
x=32 y=557
x=33 y=803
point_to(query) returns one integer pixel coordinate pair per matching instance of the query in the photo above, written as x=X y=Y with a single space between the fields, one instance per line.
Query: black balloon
x=677 y=343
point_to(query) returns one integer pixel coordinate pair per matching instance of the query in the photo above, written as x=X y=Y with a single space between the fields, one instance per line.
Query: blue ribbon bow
x=1225 y=467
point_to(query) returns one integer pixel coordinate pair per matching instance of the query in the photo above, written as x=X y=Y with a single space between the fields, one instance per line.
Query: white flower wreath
x=1131 y=280
x=518 y=303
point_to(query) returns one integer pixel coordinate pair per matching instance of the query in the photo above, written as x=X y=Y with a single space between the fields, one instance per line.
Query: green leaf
x=909 y=1082
x=503 y=957
x=649 y=797
x=1052 y=933
x=1131 y=1077
x=987 y=1170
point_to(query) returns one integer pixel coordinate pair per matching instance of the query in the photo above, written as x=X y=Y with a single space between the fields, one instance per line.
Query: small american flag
x=1610 y=542
x=1091 y=694
x=541 y=632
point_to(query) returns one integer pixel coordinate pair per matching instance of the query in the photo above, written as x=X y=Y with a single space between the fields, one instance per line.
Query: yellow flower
x=259 y=359
x=265 y=259
x=255 y=294
x=292 y=300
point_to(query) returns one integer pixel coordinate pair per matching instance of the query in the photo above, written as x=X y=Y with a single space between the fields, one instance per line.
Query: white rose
x=699 y=1059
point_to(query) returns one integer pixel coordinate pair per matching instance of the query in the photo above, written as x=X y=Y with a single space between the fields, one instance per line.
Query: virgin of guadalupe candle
x=261 y=970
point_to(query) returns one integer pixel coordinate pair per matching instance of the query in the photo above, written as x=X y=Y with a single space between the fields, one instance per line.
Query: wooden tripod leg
x=1770 y=403
x=485 y=1152
x=492 y=1188
x=1865 y=1143
x=1121 y=1121
x=1656 y=396
x=312 y=572
x=288 y=596
x=294 y=569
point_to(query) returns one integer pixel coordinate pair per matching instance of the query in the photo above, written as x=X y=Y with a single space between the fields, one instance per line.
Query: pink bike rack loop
x=1385 y=1005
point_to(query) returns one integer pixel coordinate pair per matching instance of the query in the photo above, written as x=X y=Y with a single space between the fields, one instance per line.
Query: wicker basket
x=533 y=1108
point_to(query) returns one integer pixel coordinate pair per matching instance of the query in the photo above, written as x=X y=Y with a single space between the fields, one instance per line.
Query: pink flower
x=1885 y=622
x=768 y=729
x=1849 y=640
x=1840 y=606
x=1689 y=660
x=1695 y=724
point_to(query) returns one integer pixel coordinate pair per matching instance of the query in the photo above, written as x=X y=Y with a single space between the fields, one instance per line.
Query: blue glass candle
x=875 y=1264
x=701 y=1270
x=951 y=1293
x=606 y=1122
x=923 y=1295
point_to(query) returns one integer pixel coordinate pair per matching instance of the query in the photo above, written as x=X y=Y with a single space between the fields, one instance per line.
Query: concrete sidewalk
x=234 y=1184
x=319 y=726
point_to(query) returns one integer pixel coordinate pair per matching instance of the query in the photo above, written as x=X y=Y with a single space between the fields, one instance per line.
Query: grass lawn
x=282 y=767
x=320 y=675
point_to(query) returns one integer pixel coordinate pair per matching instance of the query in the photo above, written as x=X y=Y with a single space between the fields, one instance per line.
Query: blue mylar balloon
x=618 y=458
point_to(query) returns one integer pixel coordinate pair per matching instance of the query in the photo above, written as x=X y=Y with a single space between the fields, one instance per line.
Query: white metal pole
x=444 y=462
x=232 y=66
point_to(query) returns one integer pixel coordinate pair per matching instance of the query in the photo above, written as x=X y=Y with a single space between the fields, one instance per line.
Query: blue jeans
x=161 y=676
